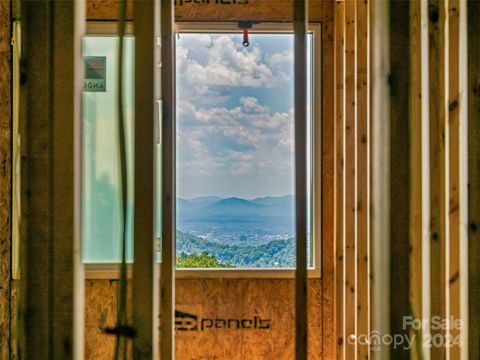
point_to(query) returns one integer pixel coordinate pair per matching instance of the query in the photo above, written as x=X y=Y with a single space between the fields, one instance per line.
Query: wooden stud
x=380 y=169
x=350 y=182
x=437 y=164
x=339 y=176
x=300 y=99
x=454 y=186
x=145 y=140
x=327 y=175
x=363 y=178
x=416 y=168
x=463 y=180
x=54 y=297
x=167 y=280
x=5 y=180
x=77 y=11
x=17 y=151
x=473 y=180
x=400 y=171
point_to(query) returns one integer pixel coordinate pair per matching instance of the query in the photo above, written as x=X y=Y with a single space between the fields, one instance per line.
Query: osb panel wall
x=216 y=10
x=262 y=308
x=5 y=178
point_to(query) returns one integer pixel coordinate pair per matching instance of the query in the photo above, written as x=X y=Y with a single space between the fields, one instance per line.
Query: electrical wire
x=121 y=340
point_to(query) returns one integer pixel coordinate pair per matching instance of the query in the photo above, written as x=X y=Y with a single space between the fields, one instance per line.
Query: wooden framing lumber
x=5 y=180
x=143 y=287
x=437 y=163
x=339 y=176
x=327 y=117
x=54 y=296
x=454 y=178
x=167 y=279
x=380 y=170
x=473 y=180
x=300 y=102
x=350 y=181
x=363 y=178
x=226 y=10
x=417 y=167
x=400 y=171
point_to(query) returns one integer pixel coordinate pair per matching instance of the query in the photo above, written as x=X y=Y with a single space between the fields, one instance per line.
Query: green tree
x=204 y=260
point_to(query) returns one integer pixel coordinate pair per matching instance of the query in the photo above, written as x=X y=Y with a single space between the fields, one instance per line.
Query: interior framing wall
x=428 y=151
x=420 y=173
x=263 y=10
x=352 y=178
x=438 y=110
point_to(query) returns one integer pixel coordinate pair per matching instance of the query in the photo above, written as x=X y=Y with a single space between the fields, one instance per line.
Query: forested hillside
x=276 y=253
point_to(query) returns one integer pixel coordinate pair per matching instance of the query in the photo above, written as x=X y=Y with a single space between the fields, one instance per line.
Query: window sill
x=111 y=272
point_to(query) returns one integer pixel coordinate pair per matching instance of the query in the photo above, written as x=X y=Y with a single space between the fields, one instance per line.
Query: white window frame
x=111 y=270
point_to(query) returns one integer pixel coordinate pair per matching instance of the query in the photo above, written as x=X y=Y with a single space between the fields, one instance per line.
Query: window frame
x=110 y=270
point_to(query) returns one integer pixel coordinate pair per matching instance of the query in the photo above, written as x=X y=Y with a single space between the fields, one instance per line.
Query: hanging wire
x=122 y=309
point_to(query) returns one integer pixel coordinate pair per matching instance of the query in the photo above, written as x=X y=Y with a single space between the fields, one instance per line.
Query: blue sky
x=234 y=115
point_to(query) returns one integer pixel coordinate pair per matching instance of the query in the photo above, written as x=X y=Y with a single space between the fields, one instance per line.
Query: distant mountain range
x=212 y=207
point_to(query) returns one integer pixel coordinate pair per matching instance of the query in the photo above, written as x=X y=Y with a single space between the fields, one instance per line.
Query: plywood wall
x=265 y=307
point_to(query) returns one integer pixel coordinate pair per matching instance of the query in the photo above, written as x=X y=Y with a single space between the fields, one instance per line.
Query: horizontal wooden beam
x=218 y=10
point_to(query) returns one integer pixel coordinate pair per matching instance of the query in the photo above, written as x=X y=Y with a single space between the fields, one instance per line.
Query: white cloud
x=220 y=142
x=222 y=61
x=250 y=104
x=280 y=58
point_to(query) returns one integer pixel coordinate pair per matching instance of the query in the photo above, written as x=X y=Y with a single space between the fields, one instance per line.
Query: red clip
x=245 y=38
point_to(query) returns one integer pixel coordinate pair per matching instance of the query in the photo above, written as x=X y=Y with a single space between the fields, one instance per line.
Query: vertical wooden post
x=54 y=296
x=380 y=168
x=473 y=180
x=400 y=171
x=167 y=281
x=326 y=174
x=463 y=182
x=350 y=181
x=78 y=284
x=437 y=163
x=38 y=234
x=419 y=200
x=145 y=139
x=301 y=319
x=5 y=180
x=454 y=177
x=339 y=176
x=363 y=178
